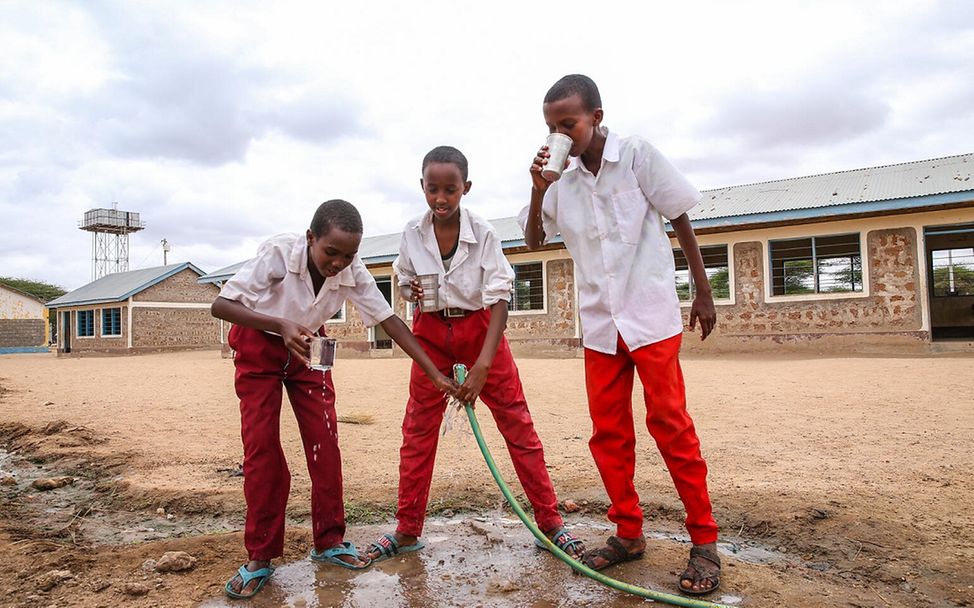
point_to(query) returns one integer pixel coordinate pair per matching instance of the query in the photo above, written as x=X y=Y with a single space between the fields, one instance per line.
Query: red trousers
x=459 y=341
x=263 y=366
x=609 y=380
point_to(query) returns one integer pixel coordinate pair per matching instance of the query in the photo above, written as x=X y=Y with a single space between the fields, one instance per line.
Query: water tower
x=110 y=230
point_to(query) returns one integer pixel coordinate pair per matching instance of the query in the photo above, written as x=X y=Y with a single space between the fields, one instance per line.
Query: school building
x=24 y=323
x=145 y=310
x=879 y=259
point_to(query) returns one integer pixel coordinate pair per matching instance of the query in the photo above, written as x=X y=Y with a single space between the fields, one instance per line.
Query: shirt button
x=611 y=275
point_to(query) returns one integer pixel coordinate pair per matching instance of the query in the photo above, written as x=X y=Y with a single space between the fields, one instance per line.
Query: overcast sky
x=223 y=123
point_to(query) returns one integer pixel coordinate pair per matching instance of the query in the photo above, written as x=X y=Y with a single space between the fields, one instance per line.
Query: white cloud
x=226 y=122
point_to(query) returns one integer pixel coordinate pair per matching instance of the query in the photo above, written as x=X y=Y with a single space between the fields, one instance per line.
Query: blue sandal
x=246 y=576
x=388 y=546
x=564 y=540
x=330 y=556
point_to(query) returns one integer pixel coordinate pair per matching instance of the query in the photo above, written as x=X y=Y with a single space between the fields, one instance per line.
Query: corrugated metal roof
x=222 y=274
x=120 y=285
x=906 y=180
x=951 y=174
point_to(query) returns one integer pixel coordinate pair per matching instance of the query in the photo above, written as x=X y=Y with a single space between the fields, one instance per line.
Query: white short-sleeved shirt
x=479 y=274
x=277 y=283
x=613 y=227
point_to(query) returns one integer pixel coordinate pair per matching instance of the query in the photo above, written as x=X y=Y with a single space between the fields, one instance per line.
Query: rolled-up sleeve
x=548 y=206
x=366 y=297
x=256 y=276
x=664 y=186
x=498 y=274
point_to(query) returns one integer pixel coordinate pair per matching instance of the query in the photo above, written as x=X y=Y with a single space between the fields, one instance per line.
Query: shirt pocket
x=630 y=210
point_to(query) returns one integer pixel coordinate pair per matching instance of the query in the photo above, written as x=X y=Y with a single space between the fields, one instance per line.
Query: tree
x=39 y=289
x=799 y=277
x=963 y=283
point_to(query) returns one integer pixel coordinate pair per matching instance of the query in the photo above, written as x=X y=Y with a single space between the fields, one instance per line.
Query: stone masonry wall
x=22 y=332
x=352 y=333
x=892 y=306
x=558 y=322
x=166 y=328
x=181 y=287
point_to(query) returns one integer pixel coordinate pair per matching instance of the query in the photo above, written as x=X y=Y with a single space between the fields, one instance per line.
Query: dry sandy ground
x=854 y=475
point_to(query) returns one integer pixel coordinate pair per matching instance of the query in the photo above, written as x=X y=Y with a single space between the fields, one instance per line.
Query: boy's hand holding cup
x=551 y=160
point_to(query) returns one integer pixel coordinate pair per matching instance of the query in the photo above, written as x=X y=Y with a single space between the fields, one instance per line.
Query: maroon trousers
x=609 y=381
x=263 y=367
x=459 y=340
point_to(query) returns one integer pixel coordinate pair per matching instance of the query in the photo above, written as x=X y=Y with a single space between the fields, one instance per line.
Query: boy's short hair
x=575 y=84
x=447 y=154
x=336 y=213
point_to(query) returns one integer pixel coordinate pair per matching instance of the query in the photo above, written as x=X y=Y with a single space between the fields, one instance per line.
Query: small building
x=868 y=260
x=23 y=322
x=151 y=309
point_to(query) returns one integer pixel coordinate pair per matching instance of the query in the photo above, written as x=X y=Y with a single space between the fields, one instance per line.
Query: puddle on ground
x=472 y=561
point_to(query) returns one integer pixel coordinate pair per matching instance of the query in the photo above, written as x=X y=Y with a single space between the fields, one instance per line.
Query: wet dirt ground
x=850 y=490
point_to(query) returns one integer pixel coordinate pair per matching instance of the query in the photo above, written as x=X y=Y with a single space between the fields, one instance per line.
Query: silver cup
x=323 y=353
x=558 y=147
x=431 y=292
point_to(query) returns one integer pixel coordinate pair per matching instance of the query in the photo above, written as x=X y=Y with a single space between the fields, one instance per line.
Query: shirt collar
x=297 y=263
x=466 y=227
x=610 y=151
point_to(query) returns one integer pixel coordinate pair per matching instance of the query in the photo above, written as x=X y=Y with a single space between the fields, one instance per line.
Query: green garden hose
x=460 y=374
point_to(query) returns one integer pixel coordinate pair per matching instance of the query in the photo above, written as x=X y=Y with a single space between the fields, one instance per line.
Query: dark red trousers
x=609 y=381
x=459 y=341
x=263 y=367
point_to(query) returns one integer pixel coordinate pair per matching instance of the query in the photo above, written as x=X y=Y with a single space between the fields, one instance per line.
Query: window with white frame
x=953 y=272
x=111 y=322
x=815 y=265
x=339 y=316
x=85 y=323
x=528 y=291
x=715 y=265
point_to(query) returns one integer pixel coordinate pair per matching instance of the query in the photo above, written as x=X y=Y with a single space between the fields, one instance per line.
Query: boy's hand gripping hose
x=460 y=374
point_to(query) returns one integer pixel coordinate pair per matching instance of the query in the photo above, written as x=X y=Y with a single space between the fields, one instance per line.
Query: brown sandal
x=613 y=553
x=710 y=556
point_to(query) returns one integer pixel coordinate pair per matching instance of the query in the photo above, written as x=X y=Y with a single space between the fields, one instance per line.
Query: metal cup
x=431 y=292
x=558 y=147
x=323 y=353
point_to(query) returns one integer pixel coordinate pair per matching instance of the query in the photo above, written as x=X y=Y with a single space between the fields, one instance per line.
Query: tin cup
x=558 y=147
x=431 y=291
x=322 y=353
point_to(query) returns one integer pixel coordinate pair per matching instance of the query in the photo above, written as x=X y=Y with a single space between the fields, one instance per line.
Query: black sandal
x=710 y=556
x=613 y=553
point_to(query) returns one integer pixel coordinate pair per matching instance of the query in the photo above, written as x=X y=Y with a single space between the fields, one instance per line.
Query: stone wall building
x=23 y=322
x=868 y=260
x=151 y=309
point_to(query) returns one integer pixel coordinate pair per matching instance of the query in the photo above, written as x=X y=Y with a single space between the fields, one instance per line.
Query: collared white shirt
x=479 y=274
x=277 y=283
x=613 y=227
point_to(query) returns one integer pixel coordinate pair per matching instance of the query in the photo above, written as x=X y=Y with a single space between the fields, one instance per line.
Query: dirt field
x=837 y=482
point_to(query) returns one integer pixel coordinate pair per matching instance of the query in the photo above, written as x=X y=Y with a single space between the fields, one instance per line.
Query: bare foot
x=236 y=583
x=358 y=560
x=703 y=570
